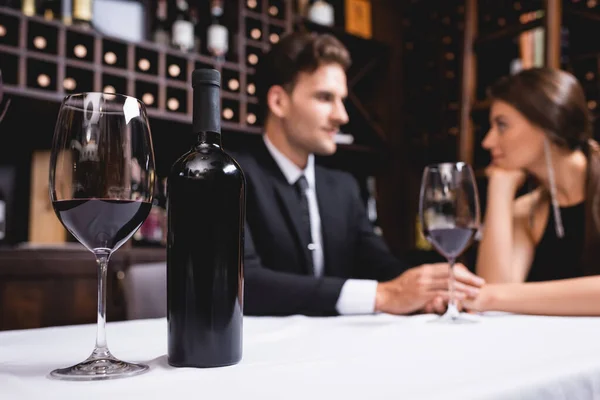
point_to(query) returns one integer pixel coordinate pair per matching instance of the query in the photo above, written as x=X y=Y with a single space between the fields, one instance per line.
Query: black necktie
x=301 y=187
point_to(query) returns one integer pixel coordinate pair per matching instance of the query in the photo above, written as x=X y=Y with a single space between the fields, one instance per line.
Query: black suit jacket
x=277 y=278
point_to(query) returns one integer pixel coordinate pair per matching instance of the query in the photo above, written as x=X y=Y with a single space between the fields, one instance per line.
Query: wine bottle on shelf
x=253 y=5
x=302 y=8
x=217 y=36
x=161 y=33
x=51 y=9
x=66 y=11
x=28 y=7
x=275 y=9
x=183 y=28
x=322 y=13
x=372 y=205
x=195 y=21
x=82 y=13
x=206 y=213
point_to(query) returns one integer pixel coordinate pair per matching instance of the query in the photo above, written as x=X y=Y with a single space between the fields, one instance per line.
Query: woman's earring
x=560 y=232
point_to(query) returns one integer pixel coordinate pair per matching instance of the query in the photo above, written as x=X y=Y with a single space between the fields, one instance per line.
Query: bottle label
x=161 y=37
x=183 y=34
x=321 y=13
x=28 y=7
x=217 y=39
x=82 y=10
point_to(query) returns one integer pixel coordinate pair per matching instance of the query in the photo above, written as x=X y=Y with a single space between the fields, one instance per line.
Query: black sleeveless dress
x=560 y=258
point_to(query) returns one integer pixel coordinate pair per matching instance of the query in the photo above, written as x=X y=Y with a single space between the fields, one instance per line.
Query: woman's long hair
x=554 y=101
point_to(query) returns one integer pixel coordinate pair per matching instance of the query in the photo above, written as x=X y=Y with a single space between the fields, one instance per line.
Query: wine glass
x=450 y=217
x=101 y=185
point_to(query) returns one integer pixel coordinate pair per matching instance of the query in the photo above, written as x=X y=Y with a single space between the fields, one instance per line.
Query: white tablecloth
x=361 y=357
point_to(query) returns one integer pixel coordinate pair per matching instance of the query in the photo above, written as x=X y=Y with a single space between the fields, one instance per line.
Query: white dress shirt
x=357 y=295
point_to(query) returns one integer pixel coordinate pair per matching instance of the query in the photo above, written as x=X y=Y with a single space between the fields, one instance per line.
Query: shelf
x=37 y=94
x=348 y=38
x=358 y=148
x=508 y=32
x=258 y=44
x=155 y=79
x=263 y=17
x=481 y=105
x=584 y=56
x=253 y=14
x=591 y=16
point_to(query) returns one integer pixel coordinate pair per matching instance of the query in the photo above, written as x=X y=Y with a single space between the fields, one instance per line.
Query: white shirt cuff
x=357 y=297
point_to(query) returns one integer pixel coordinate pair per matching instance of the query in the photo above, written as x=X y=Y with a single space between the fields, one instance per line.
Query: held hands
x=480 y=303
x=415 y=288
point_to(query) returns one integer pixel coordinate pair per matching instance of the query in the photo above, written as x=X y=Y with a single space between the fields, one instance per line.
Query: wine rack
x=581 y=19
x=432 y=71
x=47 y=60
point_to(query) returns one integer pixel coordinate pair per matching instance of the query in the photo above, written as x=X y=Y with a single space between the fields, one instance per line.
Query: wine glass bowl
x=101 y=185
x=450 y=217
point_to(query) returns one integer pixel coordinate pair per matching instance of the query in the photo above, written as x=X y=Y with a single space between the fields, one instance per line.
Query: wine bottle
x=82 y=13
x=183 y=28
x=51 y=9
x=161 y=28
x=206 y=213
x=217 y=36
x=322 y=13
x=67 y=12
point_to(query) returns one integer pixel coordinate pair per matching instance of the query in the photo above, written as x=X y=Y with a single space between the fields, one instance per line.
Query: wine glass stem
x=101 y=349
x=452 y=308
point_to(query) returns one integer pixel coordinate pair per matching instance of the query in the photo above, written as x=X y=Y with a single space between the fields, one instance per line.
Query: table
x=353 y=357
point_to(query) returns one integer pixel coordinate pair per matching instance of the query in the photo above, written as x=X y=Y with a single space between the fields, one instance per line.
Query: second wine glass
x=450 y=217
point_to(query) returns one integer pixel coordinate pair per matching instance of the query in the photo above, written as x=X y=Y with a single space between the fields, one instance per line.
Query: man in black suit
x=309 y=247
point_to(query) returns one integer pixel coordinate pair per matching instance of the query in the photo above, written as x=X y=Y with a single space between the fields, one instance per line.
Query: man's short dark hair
x=297 y=52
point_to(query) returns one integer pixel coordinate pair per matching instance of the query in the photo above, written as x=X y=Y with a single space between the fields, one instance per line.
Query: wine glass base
x=94 y=369
x=453 y=316
x=461 y=318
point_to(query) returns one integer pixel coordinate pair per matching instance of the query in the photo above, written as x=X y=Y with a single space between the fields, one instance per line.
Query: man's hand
x=437 y=305
x=416 y=287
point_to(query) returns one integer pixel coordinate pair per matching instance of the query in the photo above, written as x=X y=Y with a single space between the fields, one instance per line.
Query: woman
x=539 y=254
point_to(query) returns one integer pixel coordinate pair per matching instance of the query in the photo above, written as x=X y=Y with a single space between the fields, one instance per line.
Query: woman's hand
x=484 y=301
x=508 y=178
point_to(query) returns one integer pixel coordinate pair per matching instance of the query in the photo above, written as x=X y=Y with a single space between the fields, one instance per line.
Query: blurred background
x=416 y=96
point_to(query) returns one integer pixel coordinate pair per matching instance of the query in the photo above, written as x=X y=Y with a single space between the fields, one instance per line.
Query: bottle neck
x=209 y=138
x=161 y=11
